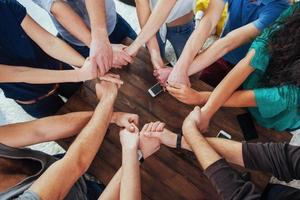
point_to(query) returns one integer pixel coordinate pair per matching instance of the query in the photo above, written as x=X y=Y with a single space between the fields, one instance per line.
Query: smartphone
x=156 y=90
x=247 y=126
x=223 y=134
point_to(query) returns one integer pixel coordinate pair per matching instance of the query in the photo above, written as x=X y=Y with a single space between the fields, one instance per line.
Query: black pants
x=50 y=105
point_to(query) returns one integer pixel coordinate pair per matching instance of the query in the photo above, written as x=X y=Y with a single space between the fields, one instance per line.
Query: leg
x=179 y=35
x=121 y=31
x=45 y=107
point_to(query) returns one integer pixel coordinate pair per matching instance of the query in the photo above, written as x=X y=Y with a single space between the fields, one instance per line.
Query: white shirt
x=181 y=8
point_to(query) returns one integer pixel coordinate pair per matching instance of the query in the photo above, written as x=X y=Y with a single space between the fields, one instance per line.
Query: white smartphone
x=155 y=90
x=223 y=134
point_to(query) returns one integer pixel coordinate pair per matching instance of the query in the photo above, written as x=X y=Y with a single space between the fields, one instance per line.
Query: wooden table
x=169 y=174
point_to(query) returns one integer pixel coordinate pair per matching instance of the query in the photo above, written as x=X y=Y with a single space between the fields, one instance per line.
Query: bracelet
x=140 y=156
x=178 y=142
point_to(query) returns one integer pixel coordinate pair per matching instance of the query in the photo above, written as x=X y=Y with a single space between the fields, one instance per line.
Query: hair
x=284 y=47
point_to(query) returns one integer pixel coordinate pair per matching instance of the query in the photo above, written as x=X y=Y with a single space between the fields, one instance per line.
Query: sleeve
x=228 y=182
x=17 y=9
x=29 y=195
x=45 y=4
x=269 y=14
x=272 y=101
x=262 y=56
x=280 y=159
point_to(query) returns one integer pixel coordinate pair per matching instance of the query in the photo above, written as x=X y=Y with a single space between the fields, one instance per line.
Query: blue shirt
x=261 y=13
x=17 y=49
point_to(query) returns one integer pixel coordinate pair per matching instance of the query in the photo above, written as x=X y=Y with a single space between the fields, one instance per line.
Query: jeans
x=121 y=31
x=50 y=105
x=178 y=36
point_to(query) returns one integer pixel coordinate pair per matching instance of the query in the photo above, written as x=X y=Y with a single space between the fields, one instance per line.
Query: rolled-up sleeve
x=228 y=182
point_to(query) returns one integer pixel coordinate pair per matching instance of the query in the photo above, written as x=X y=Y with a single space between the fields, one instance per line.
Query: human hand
x=132 y=49
x=195 y=120
x=179 y=76
x=120 y=56
x=162 y=75
x=108 y=86
x=130 y=140
x=149 y=145
x=101 y=55
x=125 y=120
x=185 y=94
x=87 y=71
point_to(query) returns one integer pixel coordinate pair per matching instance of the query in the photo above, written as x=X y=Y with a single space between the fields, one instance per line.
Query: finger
x=126 y=57
x=176 y=85
x=145 y=127
x=134 y=119
x=172 y=90
x=155 y=125
x=155 y=73
x=111 y=79
x=149 y=127
x=113 y=75
x=160 y=126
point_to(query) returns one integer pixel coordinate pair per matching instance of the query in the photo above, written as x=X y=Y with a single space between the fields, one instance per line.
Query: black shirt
x=17 y=49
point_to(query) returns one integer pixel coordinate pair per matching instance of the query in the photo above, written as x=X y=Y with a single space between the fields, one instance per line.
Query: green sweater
x=277 y=107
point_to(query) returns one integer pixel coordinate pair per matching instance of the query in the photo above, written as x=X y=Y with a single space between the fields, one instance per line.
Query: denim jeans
x=178 y=36
x=121 y=31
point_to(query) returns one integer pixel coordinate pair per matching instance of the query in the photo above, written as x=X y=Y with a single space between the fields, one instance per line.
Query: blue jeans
x=178 y=36
x=121 y=31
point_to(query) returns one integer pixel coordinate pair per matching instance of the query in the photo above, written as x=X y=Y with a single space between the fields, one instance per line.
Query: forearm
x=84 y=148
x=223 y=46
x=44 y=130
x=17 y=74
x=71 y=21
x=195 y=43
x=112 y=190
x=239 y=99
x=228 y=85
x=97 y=14
x=130 y=181
x=205 y=154
x=151 y=23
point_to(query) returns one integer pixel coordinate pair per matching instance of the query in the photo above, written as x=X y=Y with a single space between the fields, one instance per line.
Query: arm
x=43 y=130
x=187 y=95
x=18 y=74
x=150 y=24
x=71 y=21
x=52 y=45
x=196 y=41
x=226 y=180
x=226 y=88
x=222 y=46
x=100 y=49
x=81 y=153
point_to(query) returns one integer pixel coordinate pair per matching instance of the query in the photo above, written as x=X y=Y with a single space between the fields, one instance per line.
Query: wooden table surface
x=168 y=174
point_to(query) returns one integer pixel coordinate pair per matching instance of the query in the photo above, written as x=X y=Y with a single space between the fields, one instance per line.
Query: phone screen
x=155 y=90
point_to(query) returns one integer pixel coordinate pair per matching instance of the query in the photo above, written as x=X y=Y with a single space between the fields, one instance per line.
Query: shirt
x=261 y=13
x=17 y=49
x=181 y=8
x=277 y=107
x=79 y=7
x=279 y=159
x=41 y=162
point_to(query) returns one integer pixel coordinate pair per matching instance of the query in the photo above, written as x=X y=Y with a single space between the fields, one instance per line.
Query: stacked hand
x=120 y=56
x=195 y=120
x=125 y=120
x=109 y=86
x=130 y=140
x=101 y=54
x=87 y=71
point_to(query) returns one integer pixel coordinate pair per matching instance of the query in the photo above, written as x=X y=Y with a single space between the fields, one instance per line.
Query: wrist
x=114 y=117
x=99 y=33
x=206 y=113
